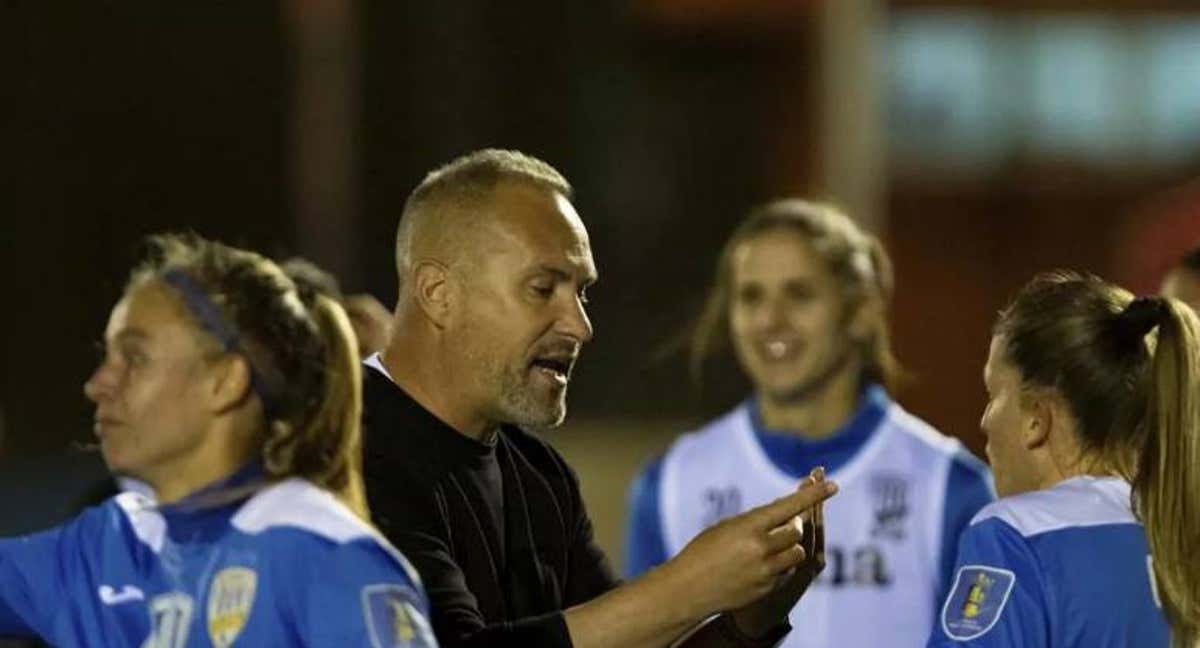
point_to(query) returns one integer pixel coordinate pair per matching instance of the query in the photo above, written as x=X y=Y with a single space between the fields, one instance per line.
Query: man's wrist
x=672 y=595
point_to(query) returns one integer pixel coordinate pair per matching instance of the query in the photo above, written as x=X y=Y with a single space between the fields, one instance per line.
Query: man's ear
x=229 y=382
x=432 y=291
x=1038 y=417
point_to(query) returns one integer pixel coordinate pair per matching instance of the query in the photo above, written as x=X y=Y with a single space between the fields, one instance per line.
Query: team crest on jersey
x=976 y=601
x=394 y=619
x=890 y=495
x=230 y=599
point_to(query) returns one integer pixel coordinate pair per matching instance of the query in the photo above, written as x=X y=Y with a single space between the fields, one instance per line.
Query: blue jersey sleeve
x=997 y=598
x=644 y=544
x=969 y=488
x=362 y=595
x=30 y=585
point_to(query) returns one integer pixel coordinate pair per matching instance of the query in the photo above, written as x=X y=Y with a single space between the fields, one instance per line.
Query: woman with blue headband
x=232 y=395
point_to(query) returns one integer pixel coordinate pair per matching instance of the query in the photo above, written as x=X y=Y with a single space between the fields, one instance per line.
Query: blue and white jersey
x=1064 y=567
x=906 y=492
x=287 y=566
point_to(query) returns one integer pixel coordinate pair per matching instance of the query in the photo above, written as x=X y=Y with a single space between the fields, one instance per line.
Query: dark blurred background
x=983 y=140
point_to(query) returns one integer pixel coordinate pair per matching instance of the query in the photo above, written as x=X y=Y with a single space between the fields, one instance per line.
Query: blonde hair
x=1167 y=484
x=299 y=345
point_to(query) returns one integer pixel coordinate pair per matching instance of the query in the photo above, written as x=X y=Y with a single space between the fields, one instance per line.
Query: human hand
x=759 y=617
x=744 y=558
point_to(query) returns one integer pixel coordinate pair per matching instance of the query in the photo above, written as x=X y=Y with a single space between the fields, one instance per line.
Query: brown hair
x=300 y=347
x=1133 y=394
x=855 y=258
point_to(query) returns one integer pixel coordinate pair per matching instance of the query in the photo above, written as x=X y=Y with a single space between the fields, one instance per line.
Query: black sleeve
x=409 y=516
x=589 y=572
x=591 y=575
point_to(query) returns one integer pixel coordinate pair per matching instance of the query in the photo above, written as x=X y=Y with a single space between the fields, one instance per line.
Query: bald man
x=1183 y=281
x=494 y=265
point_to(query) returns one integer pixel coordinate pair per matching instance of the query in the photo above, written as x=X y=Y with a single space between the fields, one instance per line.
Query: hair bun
x=1141 y=316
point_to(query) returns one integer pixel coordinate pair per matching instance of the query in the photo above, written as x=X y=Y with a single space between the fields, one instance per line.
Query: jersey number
x=170 y=620
x=720 y=503
x=863 y=565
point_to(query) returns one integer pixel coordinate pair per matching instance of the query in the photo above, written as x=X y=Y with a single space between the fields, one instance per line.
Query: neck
x=1058 y=469
x=174 y=480
x=411 y=361
x=820 y=412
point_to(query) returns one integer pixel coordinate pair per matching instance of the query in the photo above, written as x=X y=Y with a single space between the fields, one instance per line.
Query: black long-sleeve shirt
x=499 y=533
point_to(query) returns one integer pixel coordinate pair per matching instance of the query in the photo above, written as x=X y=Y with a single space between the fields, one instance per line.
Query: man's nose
x=575 y=322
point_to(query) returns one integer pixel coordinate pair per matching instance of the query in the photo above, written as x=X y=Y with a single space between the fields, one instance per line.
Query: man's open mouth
x=557 y=369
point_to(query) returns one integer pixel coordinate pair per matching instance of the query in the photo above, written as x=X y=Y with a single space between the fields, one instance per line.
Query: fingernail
x=818 y=473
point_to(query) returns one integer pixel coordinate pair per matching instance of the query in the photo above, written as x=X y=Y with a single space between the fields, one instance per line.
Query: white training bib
x=883 y=529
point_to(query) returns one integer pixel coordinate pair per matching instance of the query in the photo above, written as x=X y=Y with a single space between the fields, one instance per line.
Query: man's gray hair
x=466 y=183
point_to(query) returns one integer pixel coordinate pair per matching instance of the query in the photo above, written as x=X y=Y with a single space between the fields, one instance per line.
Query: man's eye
x=543 y=291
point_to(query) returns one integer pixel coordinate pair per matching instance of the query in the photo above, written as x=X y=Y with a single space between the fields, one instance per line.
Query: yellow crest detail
x=402 y=625
x=976 y=596
x=230 y=599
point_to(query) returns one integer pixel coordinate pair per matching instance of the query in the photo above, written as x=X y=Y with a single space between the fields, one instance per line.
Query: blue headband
x=214 y=321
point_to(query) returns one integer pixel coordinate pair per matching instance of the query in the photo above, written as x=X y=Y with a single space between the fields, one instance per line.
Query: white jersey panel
x=1077 y=502
x=883 y=529
x=297 y=503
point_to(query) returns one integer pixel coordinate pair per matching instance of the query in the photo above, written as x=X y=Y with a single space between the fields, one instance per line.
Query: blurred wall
x=962 y=252
x=122 y=119
x=668 y=132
